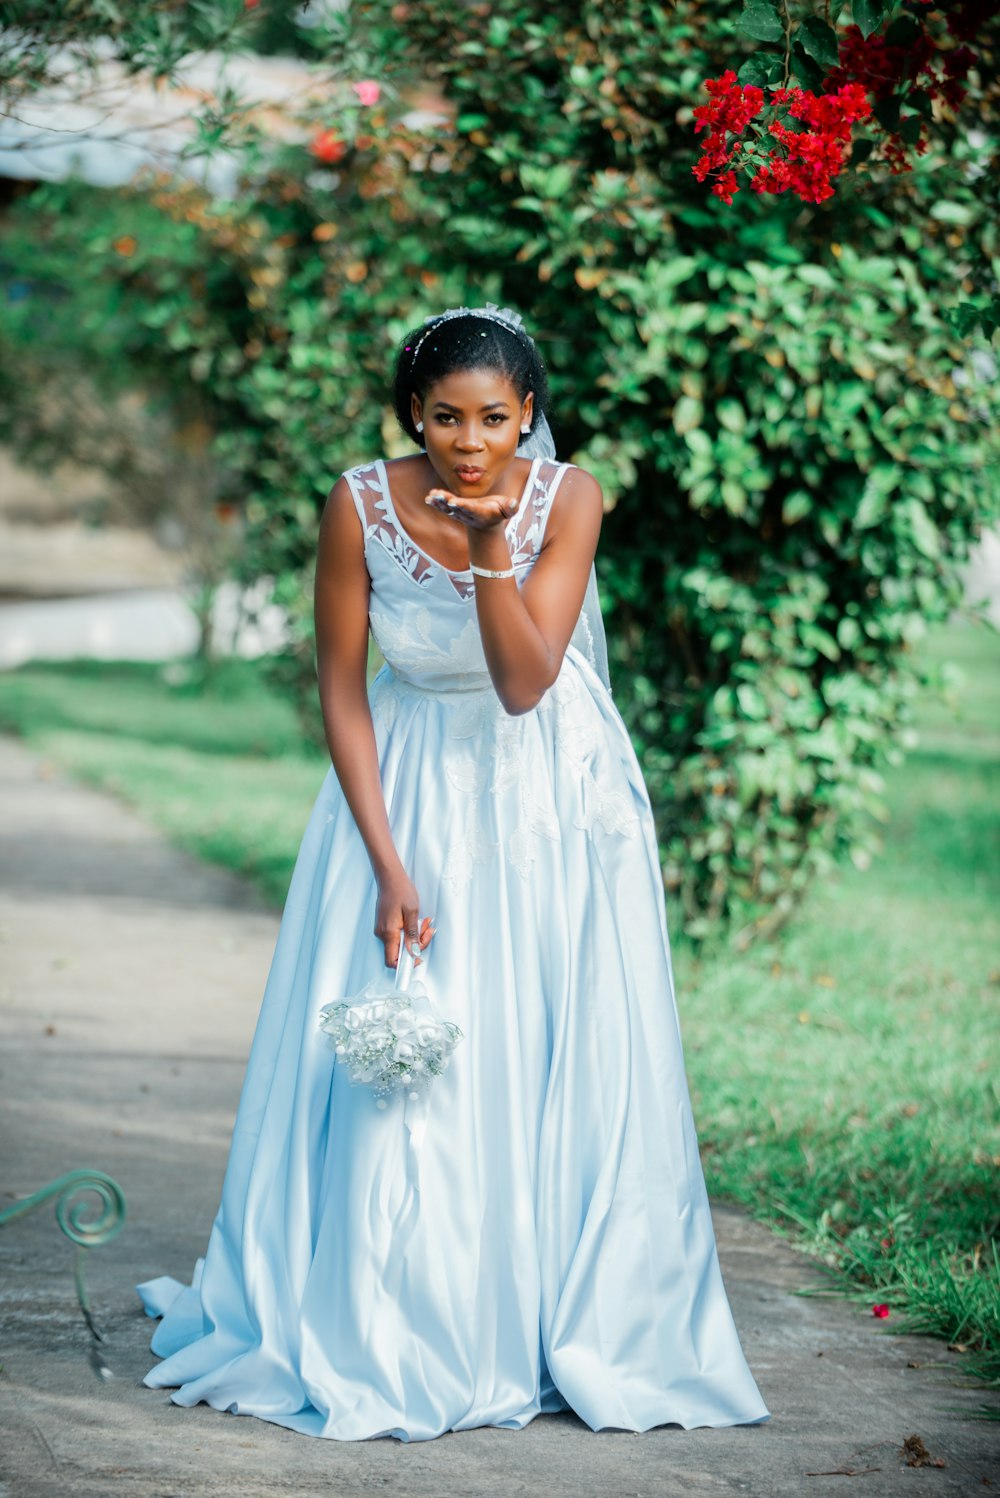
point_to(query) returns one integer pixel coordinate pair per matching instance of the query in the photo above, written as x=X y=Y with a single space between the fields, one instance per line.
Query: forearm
x=350 y=737
x=519 y=659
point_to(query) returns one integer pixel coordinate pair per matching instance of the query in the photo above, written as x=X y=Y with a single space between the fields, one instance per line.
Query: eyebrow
x=492 y=405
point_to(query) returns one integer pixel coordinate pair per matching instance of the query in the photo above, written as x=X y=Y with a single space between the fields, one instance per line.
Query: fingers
x=442 y=499
x=406 y=926
x=449 y=505
x=427 y=935
x=411 y=929
x=481 y=512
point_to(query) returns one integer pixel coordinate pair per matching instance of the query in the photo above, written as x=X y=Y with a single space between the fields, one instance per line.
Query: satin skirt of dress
x=534 y=1234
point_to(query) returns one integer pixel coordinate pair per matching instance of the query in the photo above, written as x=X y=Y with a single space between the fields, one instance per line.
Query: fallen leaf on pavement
x=915 y=1454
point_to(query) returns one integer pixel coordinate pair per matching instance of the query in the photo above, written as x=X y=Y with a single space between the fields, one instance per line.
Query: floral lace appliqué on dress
x=421 y=620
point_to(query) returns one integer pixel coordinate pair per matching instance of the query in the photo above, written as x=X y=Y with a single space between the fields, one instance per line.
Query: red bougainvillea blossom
x=881 y=1311
x=802 y=161
x=903 y=71
x=925 y=64
x=817 y=154
x=732 y=107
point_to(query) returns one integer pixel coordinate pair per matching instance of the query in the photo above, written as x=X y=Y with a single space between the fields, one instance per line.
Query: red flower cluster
x=731 y=110
x=816 y=154
x=803 y=161
x=966 y=18
x=888 y=71
x=880 y=1311
x=870 y=60
x=870 y=71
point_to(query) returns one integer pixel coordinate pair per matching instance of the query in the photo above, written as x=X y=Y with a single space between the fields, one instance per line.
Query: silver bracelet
x=486 y=572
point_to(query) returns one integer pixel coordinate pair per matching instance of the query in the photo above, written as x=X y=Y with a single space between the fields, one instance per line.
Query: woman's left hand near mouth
x=482 y=513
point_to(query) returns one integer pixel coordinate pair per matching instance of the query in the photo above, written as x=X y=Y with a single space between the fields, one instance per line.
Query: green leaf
x=886 y=111
x=920 y=100
x=817 y=275
x=819 y=40
x=760 y=21
x=967 y=317
x=868 y=14
x=807 y=71
x=926 y=537
x=752 y=704
x=687 y=414
x=761 y=70
x=952 y=213
x=848 y=632
x=819 y=640
x=670 y=273
x=902 y=33
x=734 y=497
x=874 y=502
x=796 y=506
x=698 y=441
x=559 y=180
x=731 y=415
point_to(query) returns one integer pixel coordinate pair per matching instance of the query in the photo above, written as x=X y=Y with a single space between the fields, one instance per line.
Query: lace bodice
x=422 y=615
x=424 y=621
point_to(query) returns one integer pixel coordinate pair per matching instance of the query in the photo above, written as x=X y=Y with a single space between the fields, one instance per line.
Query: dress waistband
x=391 y=678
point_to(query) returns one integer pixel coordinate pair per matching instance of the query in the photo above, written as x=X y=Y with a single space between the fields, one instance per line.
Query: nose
x=470 y=440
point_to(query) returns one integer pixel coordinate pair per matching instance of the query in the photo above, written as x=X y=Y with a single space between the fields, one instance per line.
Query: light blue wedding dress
x=534 y=1233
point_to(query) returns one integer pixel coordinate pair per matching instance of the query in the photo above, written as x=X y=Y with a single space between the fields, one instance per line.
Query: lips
x=470 y=475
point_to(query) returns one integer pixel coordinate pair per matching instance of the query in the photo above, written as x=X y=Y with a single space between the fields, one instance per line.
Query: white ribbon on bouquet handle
x=416 y=1108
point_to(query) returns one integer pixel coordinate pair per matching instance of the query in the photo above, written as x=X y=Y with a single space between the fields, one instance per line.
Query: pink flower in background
x=368 y=91
x=881 y=1311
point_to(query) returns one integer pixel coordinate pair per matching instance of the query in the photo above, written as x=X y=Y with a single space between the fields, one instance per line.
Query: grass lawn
x=846 y=1080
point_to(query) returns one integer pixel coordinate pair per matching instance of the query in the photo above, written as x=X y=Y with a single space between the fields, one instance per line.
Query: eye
x=493 y=418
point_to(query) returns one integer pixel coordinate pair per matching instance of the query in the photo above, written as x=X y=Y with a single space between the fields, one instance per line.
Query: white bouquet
x=389 y=1036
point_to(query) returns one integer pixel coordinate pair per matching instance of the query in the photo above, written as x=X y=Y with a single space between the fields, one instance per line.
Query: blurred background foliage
x=797 y=449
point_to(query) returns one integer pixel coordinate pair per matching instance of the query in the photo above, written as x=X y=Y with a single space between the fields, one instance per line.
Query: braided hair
x=452 y=345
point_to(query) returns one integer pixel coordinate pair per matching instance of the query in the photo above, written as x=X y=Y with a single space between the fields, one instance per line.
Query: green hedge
x=796 y=448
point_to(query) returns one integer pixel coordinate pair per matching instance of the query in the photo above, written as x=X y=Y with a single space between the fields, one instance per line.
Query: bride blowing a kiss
x=531 y=1233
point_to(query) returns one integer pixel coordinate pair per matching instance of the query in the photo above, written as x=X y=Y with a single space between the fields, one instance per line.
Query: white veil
x=588 y=637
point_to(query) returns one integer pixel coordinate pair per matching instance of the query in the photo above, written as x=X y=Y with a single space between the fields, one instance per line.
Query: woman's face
x=472 y=426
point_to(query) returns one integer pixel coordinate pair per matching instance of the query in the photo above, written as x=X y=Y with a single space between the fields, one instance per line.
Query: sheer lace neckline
x=465 y=572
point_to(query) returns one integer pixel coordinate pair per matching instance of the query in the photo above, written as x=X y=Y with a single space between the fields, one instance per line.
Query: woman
x=533 y=1233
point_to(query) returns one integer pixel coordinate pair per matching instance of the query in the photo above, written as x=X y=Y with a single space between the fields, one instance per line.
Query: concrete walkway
x=131 y=976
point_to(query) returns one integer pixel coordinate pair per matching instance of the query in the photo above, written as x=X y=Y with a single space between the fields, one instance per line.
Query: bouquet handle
x=405 y=964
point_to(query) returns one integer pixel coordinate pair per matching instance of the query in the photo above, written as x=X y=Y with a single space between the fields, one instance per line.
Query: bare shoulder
x=340 y=500
x=578 y=502
x=340 y=529
x=581 y=484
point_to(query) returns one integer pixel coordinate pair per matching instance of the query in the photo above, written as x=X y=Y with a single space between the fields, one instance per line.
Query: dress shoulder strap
x=366 y=491
x=529 y=532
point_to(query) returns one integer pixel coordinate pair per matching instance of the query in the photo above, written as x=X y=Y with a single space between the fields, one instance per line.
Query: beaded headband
x=505 y=316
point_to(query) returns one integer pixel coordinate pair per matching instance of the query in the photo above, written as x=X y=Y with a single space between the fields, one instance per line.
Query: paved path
x=130 y=975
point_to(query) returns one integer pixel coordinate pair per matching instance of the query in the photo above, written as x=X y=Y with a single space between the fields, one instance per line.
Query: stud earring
x=420 y=426
x=525 y=431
